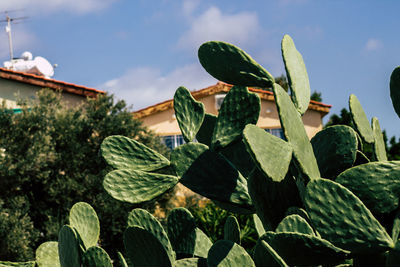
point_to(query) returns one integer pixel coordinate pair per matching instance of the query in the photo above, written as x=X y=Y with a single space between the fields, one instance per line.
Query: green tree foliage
x=50 y=157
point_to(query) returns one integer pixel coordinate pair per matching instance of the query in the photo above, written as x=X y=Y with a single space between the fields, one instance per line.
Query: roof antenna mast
x=8 y=20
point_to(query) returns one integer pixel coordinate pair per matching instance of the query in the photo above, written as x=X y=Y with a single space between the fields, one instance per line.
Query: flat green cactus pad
x=137 y=186
x=294 y=224
x=304 y=250
x=396 y=227
x=189 y=113
x=121 y=262
x=296 y=135
x=340 y=217
x=230 y=64
x=205 y=133
x=360 y=120
x=210 y=174
x=84 y=219
x=142 y=218
x=185 y=237
x=191 y=262
x=237 y=154
x=377 y=184
x=232 y=229
x=335 y=148
x=297 y=74
x=298 y=211
x=271 y=154
x=124 y=153
x=240 y=107
x=96 y=256
x=379 y=143
x=68 y=247
x=258 y=225
x=395 y=89
x=271 y=198
x=225 y=253
x=144 y=249
x=47 y=254
x=17 y=264
x=265 y=255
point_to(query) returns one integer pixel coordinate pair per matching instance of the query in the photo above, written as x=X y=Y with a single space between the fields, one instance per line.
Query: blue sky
x=143 y=50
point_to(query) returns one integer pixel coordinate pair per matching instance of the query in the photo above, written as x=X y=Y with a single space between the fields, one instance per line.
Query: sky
x=142 y=51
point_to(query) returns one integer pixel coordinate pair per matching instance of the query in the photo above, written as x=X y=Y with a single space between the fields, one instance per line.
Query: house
x=161 y=118
x=16 y=85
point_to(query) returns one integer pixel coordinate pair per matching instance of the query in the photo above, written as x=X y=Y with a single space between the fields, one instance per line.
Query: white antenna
x=8 y=20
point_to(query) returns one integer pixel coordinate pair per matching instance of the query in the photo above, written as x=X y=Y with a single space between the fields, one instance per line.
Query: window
x=218 y=100
x=276 y=131
x=172 y=141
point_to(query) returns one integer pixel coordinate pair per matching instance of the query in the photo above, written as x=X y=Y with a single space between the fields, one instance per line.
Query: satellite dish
x=43 y=67
x=27 y=56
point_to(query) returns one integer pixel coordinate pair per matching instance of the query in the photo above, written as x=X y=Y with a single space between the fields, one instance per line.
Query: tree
x=50 y=158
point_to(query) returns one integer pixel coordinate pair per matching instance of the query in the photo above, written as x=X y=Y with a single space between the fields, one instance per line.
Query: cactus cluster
x=319 y=202
x=315 y=202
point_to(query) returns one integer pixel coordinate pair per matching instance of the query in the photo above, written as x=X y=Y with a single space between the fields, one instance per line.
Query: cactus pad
x=230 y=64
x=271 y=198
x=47 y=255
x=297 y=74
x=144 y=249
x=340 y=217
x=185 y=237
x=295 y=224
x=377 y=184
x=275 y=163
x=124 y=153
x=121 y=262
x=69 y=249
x=189 y=113
x=304 y=250
x=142 y=218
x=265 y=255
x=296 y=135
x=240 y=107
x=225 y=253
x=360 y=120
x=137 y=186
x=204 y=134
x=379 y=143
x=210 y=174
x=96 y=256
x=232 y=229
x=17 y=264
x=258 y=225
x=395 y=89
x=191 y=262
x=335 y=148
x=84 y=219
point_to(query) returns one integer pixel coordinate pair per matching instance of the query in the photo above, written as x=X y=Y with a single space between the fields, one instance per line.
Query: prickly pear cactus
x=319 y=202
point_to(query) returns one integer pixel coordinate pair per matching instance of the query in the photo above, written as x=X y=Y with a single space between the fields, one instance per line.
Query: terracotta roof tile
x=43 y=82
x=222 y=87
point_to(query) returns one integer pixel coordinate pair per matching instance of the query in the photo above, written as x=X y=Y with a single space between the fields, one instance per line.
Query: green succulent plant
x=315 y=202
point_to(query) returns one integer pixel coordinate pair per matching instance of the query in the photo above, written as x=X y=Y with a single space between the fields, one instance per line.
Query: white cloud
x=189 y=6
x=241 y=28
x=373 y=44
x=147 y=86
x=75 y=6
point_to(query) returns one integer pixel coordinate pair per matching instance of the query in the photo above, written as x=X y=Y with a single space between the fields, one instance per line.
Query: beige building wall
x=164 y=122
x=11 y=91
